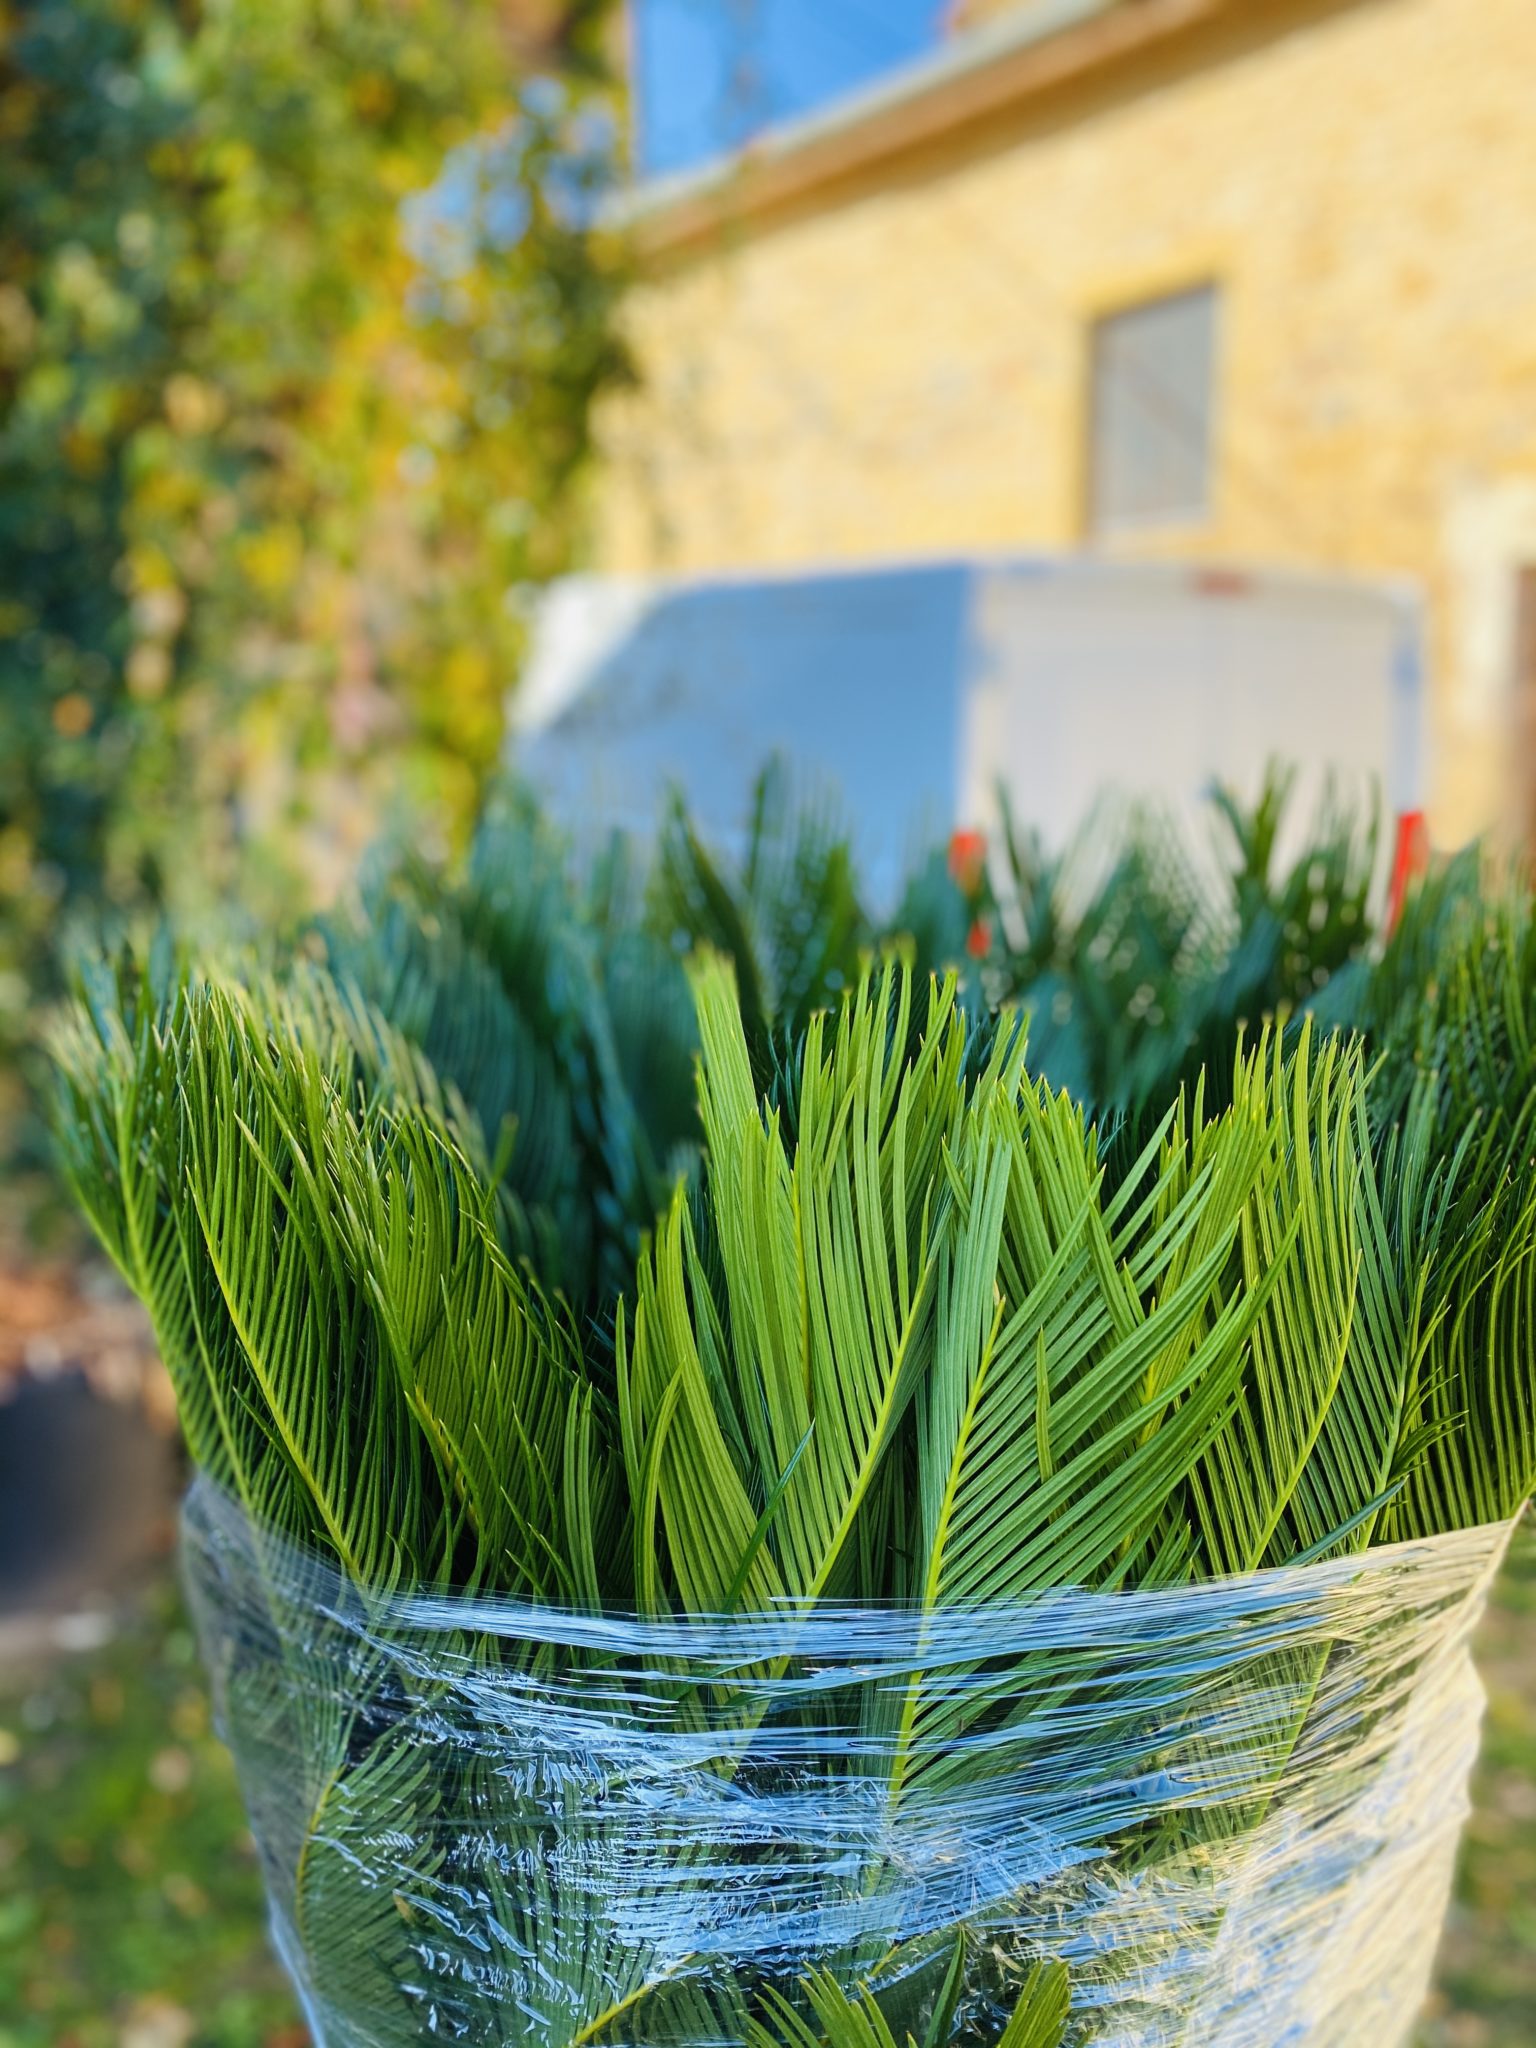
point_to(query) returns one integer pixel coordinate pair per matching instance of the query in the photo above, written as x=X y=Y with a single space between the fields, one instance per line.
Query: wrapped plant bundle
x=975 y=1596
x=1221 y=1814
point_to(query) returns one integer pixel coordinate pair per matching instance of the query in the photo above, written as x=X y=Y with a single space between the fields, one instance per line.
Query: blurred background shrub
x=301 y=322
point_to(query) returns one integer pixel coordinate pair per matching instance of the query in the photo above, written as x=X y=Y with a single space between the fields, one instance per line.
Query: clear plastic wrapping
x=1230 y=1809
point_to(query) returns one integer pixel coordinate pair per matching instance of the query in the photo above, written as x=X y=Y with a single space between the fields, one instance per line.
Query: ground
x=1486 y=1996
x=130 y=1906
x=130 y=1903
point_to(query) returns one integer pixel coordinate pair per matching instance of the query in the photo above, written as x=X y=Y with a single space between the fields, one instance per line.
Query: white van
x=915 y=689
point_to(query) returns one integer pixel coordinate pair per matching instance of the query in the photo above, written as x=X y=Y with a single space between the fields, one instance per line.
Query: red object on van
x=968 y=861
x=1410 y=857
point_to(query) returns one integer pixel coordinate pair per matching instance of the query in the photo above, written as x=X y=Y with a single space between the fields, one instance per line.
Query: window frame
x=1098 y=523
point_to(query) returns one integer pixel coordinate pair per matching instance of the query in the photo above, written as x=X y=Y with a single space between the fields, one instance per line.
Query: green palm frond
x=1140 y=958
x=1304 y=1448
x=565 y=1046
x=1449 y=1016
x=354 y=1354
x=786 y=914
x=798 y=1378
x=833 y=2019
x=1223 y=1355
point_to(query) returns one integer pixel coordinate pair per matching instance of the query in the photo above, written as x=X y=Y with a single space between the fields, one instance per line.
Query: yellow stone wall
x=897 y=363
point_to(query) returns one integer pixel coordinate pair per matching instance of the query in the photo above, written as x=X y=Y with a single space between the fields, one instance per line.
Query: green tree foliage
x=301 y=319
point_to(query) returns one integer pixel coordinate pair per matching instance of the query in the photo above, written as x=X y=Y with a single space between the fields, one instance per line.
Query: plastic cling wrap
x=1228 y=1810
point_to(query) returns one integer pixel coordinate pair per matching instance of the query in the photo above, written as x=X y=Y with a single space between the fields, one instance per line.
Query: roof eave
x=980 y=73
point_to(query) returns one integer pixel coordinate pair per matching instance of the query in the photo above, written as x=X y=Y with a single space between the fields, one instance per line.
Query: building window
x=1150 y=423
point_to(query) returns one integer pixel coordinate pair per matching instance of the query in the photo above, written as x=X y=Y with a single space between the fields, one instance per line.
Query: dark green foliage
x=555 y=1007
x=568 y=1051
x=786 y=913
x=83 y=285
x=1140 y=960
x=1449 y=1013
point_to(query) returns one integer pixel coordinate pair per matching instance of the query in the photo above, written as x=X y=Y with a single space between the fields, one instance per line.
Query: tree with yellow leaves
x=302 y=315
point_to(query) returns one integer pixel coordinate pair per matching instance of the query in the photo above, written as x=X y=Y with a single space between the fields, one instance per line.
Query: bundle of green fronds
x=787 y=913
x=903 y=1340
x=553 y=1004
x=1140 y=956
x=567 y=1044
x=1448 y=1003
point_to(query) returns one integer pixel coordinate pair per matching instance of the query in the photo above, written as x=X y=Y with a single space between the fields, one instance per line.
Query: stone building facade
x=884 y=330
